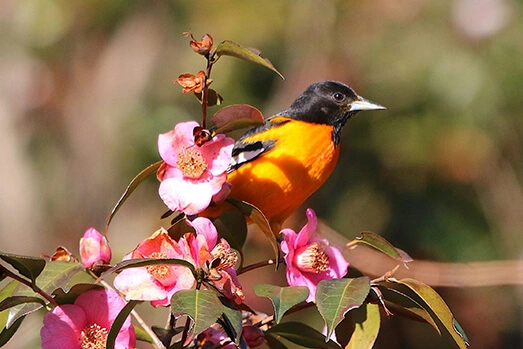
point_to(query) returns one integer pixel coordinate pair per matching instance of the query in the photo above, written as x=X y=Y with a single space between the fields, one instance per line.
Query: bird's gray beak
x=364 y=104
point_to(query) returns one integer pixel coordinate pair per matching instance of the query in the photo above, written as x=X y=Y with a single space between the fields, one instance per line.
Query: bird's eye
x=339 y=97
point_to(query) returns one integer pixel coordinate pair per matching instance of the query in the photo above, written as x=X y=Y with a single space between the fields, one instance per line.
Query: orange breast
x=280 y=180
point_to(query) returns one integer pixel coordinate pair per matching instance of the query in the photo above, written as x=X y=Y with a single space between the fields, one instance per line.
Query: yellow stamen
x=93 y=337
x=313 y=258
x=191 y=162
x=158 y=271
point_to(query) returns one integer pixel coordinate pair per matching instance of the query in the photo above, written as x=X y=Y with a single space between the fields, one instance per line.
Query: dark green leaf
x=229 y=48
x=144 y=262
x=213 y=98
x=5 y=293
x=437 y=305
x=401 y=304
x=63 y=297
x=141 y=334
x=301 y=334
x=376 y=241
x=231 y=226
x=30 y=267
x=282 y=298
x=260 y=220
x=8 y=332
x=131 y=187
x=232 y=320
x=17 y=300
x=118 y=323
x=367 y=326
x=55 y=275
x=235 y=117
x=335 y=297
x=202 y=306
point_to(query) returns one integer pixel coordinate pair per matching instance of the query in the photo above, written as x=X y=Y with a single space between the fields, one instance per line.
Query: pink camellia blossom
x=205 y=249
x=309 y=258
x=192 y=174
x=86 y=323
x=94 y=248
x=155 y=283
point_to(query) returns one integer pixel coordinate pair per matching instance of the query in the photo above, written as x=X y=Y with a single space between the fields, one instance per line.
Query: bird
x=278 y=165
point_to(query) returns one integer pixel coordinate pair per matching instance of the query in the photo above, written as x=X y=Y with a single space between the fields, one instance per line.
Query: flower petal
x=186 y=196
x=62 y=327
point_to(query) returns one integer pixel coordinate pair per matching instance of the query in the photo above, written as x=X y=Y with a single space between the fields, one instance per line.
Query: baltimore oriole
x=278 y=165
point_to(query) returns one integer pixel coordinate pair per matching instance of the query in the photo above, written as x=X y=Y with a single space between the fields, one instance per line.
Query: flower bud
x=253 y=336
x=93 y=248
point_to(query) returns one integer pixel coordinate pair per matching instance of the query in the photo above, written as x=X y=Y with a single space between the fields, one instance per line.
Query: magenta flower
x=192 y=174
x=155 y=283
x=86 y=323
x=94 y=248
x=309 y=258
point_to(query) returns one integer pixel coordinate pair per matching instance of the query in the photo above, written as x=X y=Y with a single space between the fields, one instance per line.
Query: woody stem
x=205 y=90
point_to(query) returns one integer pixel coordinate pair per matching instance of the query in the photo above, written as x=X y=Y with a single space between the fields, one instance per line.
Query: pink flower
x=192 y=174
x=94 y=248
x=155 y=283
x=309 y=258
x=86 y=323
x=215 y=256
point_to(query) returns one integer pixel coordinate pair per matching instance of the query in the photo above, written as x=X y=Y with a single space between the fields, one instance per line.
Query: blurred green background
x=86 y=87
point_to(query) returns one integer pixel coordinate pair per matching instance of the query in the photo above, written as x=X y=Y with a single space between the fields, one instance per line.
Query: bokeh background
x=86 y=87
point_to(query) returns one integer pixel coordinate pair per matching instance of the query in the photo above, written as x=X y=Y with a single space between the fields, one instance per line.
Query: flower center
x=93 y=337
x=191 y=162
x=158 y=271
x=313 y=258
x=227 y=256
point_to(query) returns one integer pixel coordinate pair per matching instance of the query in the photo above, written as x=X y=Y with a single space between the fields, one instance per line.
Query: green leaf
x=232 y=320
x=55 y=275
x=30 y=267
x=202 y=306
x=231 y=226
x=68 y=297
x=282 y=298
x=335 y=297
x=5 y=293
x=17 y=300
x=301 y=334
x=213 y=98
x=235 y=117
x=118 y=323
x=401 y=304
x=144 y=262
x=229 y=48
x=367 y=326
x=141 y=334
x=437 y=305
x=379 y=243
x=8 y=332
x=260 y=220
x=130 y=188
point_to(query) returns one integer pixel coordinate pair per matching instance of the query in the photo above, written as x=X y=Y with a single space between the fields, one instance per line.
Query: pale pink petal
x=204 y=227
x=186 y=196
x=170 y=143
x=308 y=230
x=62 y=327
x=217 y=153
x=138 y=284
x=337 y=264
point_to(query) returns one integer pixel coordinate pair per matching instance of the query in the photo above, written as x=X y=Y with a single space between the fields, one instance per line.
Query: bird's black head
x=330 y=103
